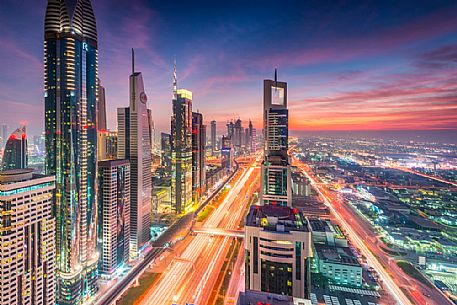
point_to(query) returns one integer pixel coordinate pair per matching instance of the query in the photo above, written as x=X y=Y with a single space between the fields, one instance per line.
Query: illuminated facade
x=134 y=144
x=213 y=137
x=27 y=238
x=15 y=153
x=114 y=215
x=227 y=153
x=70 y=66
x=198 y=156
x=276 y=175
x=181 y=150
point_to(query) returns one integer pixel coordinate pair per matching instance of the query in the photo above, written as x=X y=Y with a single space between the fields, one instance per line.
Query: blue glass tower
x=70 y=63
x=15 y=154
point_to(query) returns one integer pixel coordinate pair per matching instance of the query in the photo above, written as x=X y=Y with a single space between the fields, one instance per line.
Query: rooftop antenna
x=133 y=61
x=276 y=77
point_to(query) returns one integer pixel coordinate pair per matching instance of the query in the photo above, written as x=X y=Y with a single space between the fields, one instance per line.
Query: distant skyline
x=350 y=65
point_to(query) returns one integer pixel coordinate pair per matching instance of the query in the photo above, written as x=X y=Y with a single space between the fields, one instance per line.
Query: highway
x=111 y=294
x=191 y=275
x=361 y=235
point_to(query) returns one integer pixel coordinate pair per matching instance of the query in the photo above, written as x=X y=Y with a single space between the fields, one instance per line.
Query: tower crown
x=70 y=16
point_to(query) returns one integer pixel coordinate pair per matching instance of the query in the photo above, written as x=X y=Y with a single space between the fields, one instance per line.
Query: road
x=361 y=235
x=408 y=170
x=192 y=274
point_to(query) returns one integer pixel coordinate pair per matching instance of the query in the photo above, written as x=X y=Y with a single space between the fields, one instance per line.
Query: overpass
x=220 y=232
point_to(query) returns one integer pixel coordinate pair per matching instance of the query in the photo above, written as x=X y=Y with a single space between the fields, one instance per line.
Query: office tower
x=114 y=215
x=70 y=68
x=134 y=144
x=15 y=153
x=276 y=178
x=226 y=153
x=27 y=239
x=238 y=133
x=3 y=134
x=181 y=148
x=165 y=146
x=230 y=129
x=253 y=140
x=247 y=140
x=250 y=144
x=213 y=137
x=278 y=251
x=107 y=148
x=198 y=156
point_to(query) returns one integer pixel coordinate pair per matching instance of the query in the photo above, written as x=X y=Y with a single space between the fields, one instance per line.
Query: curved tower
x=15 y=154
x=70 y=91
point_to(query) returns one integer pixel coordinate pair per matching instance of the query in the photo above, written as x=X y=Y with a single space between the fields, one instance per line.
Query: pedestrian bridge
x=220 y=232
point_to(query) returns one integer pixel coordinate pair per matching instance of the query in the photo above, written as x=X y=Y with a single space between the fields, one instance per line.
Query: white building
x=27 y=238
x=278 y=250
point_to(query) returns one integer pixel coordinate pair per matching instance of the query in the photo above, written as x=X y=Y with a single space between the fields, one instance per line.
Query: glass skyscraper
x=15 y=154
x=70 y=64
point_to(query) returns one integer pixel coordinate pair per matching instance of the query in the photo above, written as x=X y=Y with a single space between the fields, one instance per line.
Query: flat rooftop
x=336 y=255
x=276 y=218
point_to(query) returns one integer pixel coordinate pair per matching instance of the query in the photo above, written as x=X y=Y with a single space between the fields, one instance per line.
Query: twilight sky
x=350 y=65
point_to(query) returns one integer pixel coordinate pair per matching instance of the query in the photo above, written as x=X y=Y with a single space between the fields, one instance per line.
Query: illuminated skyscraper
x=70 y=68
x=276 y=177
x=134 y=144
x=27 y=238
x=114 y=215
x=15 y=153
x=181 y=150
x=165 y=145
x=101 y=108
x=198 y=156
x=213 y=137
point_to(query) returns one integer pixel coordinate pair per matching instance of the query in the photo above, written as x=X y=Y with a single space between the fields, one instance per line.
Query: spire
x=133 y=61
x=175 y=79
x=276 y=77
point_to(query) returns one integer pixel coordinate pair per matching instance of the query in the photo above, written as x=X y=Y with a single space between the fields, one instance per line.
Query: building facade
x=15 y=153
x=114 y=215
x=226 y=153
x=275 y=173
x=213 y=137
x=198 y=156
x=27 y=239
x=165 y=146
x=71 y=71
x=134 y=144
x=181 y=148
x=278 y=251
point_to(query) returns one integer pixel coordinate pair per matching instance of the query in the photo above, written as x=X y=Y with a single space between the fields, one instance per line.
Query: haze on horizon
x=350 y=66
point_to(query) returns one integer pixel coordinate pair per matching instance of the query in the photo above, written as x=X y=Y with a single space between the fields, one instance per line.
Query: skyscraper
x=3 y=134
x=213 y=137
x=70 y=68
x=181 y=150
x=114 y=215
x=238 y=134
x=276 y=177
x=101 y=108
x=278 y=238
x=15 y=153
x=226 y=153
x=198 y=156
x=165 y=146
x=134 y=144
x=27 y=239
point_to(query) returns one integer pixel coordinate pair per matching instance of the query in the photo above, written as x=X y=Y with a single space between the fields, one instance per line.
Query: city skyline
x=396 y=72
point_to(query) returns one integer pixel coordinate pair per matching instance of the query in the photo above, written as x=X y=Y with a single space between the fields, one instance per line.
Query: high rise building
x=134 y=144
x=101 y=108
x=250 y=145
x=278 y=239
x=165 y=146
x=226 y=153
x=213 y=137
x=114 y=215
x=276 y=177
x=181 y=148
x=70 y=69
x=238 y=134
x=230 y=129
x=27 y=239
x=253 y=140
x=15 y=153
x=3 y=134
x=198 y=156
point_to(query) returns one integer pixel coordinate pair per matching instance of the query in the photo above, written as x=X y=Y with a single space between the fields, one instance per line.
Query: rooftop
x=276 y=218
x=336 y=255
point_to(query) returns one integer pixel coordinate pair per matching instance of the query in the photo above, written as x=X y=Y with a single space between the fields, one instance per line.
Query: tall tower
x=276 y=176
x=134 y=143
x=70 y=90
x=213 y=136
x=198 y=156
x=15 y=154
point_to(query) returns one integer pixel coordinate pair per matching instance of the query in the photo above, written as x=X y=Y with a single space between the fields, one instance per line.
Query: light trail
x=394 y=289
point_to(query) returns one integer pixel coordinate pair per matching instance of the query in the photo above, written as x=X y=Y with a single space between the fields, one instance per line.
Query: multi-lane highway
x=191 y=275
x=361 y=235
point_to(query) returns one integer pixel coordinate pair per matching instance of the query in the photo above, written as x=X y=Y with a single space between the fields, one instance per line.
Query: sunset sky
x=366 y=65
